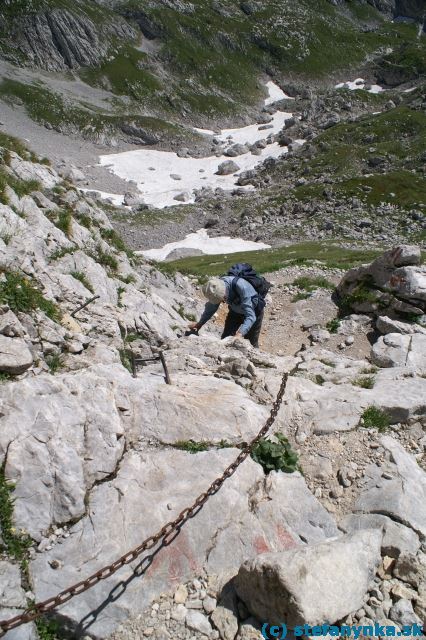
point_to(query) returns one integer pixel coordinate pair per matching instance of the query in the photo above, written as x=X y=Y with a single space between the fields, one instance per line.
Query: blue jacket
x=239 y=299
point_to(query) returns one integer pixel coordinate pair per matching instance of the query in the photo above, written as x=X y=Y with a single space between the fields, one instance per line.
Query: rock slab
x=315 y=584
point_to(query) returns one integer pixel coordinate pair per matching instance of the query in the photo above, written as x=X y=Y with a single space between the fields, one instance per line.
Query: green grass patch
x=276 y=456
x=365 y=382
x=54 y=362
x=114 y=239
x=21 y=294
x=20 y=187
x=192 y=446
x=60 y=253
x=329 y=254
x=333 y=325
x=81 y=277
x=309 y=283
x=375 y=418
x=105 y=259
x=302 y=295
x=15 y=543
x=124 y=75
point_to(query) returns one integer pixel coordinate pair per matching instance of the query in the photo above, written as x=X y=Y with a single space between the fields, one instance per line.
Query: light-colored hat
x=215 y=290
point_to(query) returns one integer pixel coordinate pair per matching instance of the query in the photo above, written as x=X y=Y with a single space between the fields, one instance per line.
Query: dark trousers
x=234 y=321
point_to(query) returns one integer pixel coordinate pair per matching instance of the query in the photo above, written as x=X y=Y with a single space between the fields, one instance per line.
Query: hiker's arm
x=245 y=293
x=209 y=311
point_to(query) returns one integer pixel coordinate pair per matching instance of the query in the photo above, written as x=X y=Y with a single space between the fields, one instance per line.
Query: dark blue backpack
x=259 y=283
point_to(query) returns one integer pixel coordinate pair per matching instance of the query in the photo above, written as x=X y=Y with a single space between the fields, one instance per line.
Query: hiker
x=245 y=292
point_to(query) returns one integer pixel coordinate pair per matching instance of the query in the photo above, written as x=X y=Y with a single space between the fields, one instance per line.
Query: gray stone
x=403 y=614
x=225 y=616
x=388 y=325
x=197 y=621
x=227 y=167
x=315 y=584
x=411 y=568
x=15 y=357
x=398 y=350
x=403 y=497
x=397 y=538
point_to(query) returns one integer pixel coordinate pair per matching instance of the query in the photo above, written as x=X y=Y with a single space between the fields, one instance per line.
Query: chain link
x=164 y=535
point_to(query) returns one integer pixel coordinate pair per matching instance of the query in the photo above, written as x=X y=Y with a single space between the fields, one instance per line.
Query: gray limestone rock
x=397 y=538
x=13 y=601
x=402 y=496
x=15 y=357
x=315 y=584
x=227 y=167
x=138 y=501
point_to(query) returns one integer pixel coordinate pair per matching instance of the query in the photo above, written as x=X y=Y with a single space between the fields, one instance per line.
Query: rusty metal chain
x=164 y=535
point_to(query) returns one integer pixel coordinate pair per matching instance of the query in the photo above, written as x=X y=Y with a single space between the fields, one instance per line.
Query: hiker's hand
x=193 y=325
x=239 y=336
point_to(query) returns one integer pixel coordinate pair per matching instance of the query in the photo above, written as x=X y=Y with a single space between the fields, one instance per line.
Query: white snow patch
x=275 y=93
x=410 y=90
x=359 y=83
x=204 y=132
x=115 y=198
x=152 y=169
x=209 y=246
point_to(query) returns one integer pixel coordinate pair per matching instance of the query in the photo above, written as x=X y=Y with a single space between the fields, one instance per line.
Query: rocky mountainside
x=173 y=61
x=94 y=460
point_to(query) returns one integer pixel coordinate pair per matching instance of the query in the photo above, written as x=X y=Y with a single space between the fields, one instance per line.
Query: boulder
x=399 y=350
x=15 y=357
x=394 y=280
x=388 y=325
x=396 y=489
x=227 y=167
x=236 y=150
x=151 y=488
x=397 y=538
x=314 y=584
x=25 y=170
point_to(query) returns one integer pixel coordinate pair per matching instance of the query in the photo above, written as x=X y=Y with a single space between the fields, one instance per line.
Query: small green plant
x=319 y=379
x=302 y=295
x=22 y=295
x=5 y=377
x=15 y=543
x=333 y=325
x=310 y=284
x=60 y=253
x=85 y=221
x=366 y=382
x=105 y=259
x=47 y=629
x=191 y=446
x=375 y=418
x=125 y=359
x=369 y=370
x=120 y=292
x=64 y=222
x=129 y=279
x=276 y=456
x=183 y=314
x=78 y=275
x=113 y=238
x=327 y=363
x=54 y=362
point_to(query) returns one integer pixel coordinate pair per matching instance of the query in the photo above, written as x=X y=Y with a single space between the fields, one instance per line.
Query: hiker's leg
x=254 y=333
x=232 y=324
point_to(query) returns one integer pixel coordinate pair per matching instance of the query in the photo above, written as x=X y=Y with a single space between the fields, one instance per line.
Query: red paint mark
x=260 y=545
x=174 y=560
x=285 y=539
